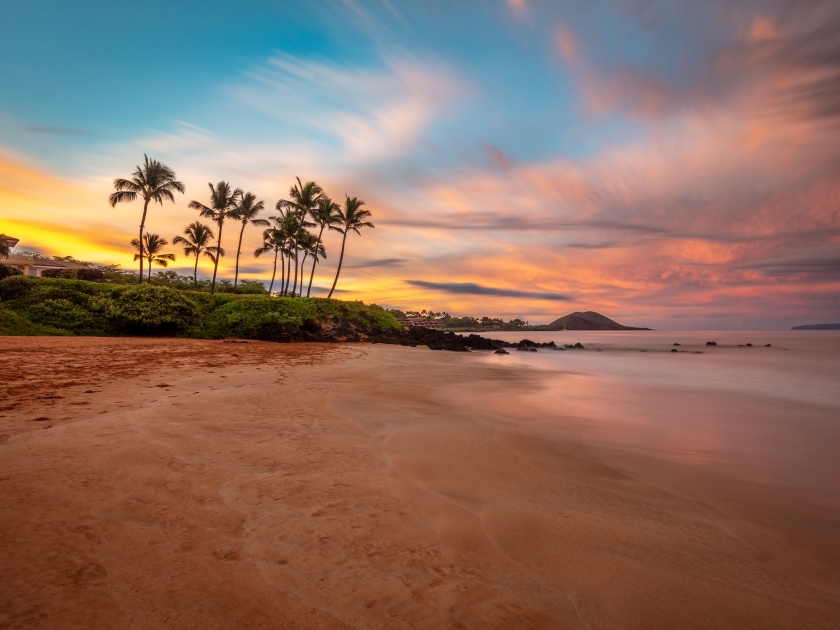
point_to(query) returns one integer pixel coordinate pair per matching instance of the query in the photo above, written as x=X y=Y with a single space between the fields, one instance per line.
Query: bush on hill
x=13 y=324
x=88 y=308
x=147 y=309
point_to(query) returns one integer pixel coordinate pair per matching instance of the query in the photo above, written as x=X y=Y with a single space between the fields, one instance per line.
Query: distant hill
x=589 y=320
x=818 y=327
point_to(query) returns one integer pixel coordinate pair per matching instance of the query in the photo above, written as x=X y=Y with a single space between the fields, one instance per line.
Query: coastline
x=376 y=486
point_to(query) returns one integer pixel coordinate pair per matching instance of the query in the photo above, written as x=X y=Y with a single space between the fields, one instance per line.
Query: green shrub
x=272 y=318
x=6 y=271
x=90 y=308
x=12 y=323
x=265 y=319
x=79 y=319
x=149 y=309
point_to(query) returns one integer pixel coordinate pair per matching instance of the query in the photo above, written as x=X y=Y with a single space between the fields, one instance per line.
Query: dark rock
x=768 y=346
x=711 y=343
x=501 y=351
x=673 y=349
x=579 y=346
x=676 y=344
x=749 y=345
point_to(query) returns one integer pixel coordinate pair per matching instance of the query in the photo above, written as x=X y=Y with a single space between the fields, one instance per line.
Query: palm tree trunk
x=294 y=286
x=273 y=273
x=150 y=270
x=218 y=255
x=238 y=249
x=142 y=226
x=312 y=275
x=340 y=260
x=282 y=272
x=195 y=272
x=315 y=261
x=288 y=274
x=297 y=238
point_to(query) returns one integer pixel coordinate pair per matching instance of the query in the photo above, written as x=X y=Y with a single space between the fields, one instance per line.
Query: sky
x=669 y=163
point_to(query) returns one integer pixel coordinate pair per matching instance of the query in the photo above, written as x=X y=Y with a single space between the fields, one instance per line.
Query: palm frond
x=121 y=196
x=121 y=184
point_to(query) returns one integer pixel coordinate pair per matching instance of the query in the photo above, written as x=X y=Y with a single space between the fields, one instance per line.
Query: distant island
x=588 y=320
x=817 y=327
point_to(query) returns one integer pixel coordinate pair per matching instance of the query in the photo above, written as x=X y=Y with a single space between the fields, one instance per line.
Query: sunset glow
x=672 y=166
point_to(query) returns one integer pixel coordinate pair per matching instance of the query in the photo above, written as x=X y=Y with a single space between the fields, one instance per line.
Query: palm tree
x=196 y=243
x=273 y=241
x=246 y=212
x=352 y=218
x=311 y=246
x=153 y=181
x=5 y=248
x=150 y=250
x=287 y=223
x=222 y=205
x=304 y=199
x=327 y=215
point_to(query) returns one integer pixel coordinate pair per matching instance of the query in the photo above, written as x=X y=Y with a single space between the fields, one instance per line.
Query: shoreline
x=355 y=485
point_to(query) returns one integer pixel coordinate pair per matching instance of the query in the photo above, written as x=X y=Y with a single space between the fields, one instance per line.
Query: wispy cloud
x=55 y=131
x=382 y=262
x=469 y=288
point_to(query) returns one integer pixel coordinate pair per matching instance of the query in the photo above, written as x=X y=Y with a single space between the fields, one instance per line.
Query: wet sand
x=199 y=484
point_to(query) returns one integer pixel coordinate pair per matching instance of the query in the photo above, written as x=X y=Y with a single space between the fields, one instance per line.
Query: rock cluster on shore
x=439 y=340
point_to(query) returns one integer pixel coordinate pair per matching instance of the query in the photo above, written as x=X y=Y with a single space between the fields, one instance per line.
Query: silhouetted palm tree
x=326 y=215
x=152 y=181
x=287 y=223
x=196 y=243
x=152 y=244
x=5 y=248
x=311 y=246
x=222 y=205
x=273 y=241
x=246 y=211
x=303 y=200
x=352 y=218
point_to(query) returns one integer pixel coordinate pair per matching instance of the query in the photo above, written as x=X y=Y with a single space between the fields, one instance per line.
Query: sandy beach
x=167 y=483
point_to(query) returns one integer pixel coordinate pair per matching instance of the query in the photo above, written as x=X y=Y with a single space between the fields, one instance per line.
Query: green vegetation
x=462 y=323
x=39 y=306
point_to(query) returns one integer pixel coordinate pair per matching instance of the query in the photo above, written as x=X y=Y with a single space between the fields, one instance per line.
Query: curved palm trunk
x=195 y=272
x=273 y=273
x=142 y=226
x=238 y=249
x=218 y=255
x=282 y=271
x=288 y=274
x=340 y=260
x=150 y=270
x=314 y=261
x=297 y=238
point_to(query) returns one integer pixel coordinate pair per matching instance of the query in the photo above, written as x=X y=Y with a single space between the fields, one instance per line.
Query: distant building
x=30 y=265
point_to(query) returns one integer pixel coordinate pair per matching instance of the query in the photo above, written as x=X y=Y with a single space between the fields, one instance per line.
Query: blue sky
x=668 y=163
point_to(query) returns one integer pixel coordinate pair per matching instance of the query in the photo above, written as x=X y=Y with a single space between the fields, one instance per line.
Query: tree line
x=287 y=234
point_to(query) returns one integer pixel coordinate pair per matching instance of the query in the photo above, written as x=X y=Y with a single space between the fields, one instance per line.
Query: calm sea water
x=762 y=414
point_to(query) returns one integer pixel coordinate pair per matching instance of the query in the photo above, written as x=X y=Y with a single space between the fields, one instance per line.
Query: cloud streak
x=470 y=288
